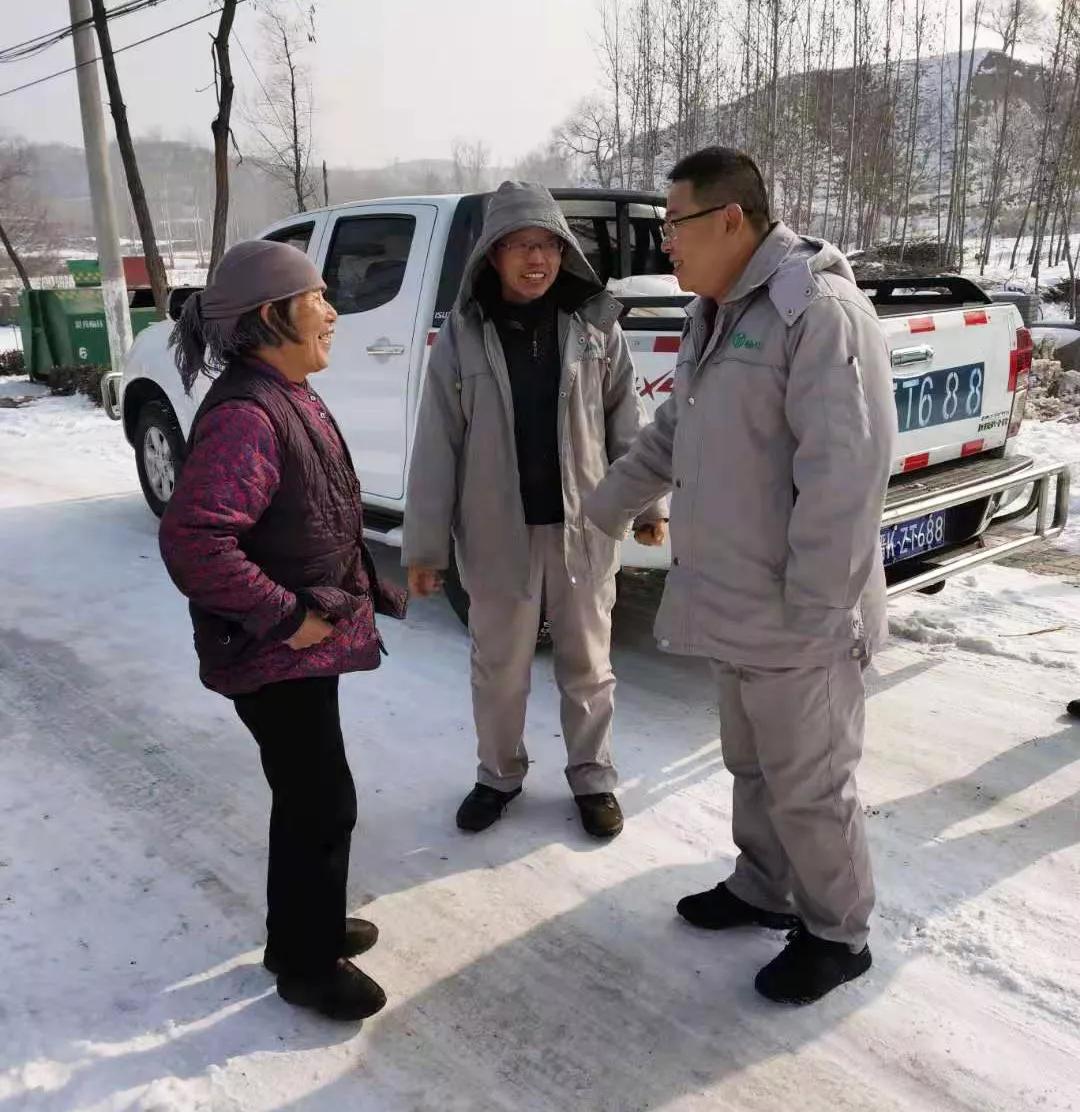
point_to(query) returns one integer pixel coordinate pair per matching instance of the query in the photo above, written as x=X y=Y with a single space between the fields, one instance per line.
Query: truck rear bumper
x=1045 y=511
x=1041 y=517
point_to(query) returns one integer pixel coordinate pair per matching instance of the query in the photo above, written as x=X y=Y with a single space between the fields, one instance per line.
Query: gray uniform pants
x=791 y=738
x=503 y=645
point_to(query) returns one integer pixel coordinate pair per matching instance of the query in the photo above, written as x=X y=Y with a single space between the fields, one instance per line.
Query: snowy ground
x=527 y=968
x=10 y=337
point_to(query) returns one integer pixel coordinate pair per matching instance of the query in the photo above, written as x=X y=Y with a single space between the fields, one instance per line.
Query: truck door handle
x=908 y=357
x=386 y=349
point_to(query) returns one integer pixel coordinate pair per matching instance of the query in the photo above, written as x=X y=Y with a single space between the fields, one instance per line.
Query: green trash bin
x=66 y=328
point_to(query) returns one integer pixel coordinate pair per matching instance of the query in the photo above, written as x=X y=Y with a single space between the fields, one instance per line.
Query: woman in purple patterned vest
x=263 y=535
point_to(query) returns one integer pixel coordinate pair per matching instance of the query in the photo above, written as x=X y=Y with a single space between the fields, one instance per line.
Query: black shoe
x=482 y=806
x=601 y=815
x=360 y=936
x=344 y=993
x=809 y=967
x=718 y=910
x=1074 y=708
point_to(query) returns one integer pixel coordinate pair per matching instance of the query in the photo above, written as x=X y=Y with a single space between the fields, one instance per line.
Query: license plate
x=913 y=538
x=939 y=397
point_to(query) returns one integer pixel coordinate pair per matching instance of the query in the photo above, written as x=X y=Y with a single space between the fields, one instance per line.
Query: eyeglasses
x=670 y=228
x=550 y=246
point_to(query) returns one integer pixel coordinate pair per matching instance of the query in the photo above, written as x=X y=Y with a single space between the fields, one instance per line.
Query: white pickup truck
x=392 y=269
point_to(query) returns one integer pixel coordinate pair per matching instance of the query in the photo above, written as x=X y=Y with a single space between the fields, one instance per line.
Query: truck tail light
x=1019 y=369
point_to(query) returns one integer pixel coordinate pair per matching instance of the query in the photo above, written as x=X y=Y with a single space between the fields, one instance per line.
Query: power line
x=255 y=73
x=119 y=50
x=37 y=45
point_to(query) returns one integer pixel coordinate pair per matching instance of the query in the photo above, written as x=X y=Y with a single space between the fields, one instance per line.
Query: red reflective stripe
x=431 y=337
x=666 y=343
x=976 y=316
x=913 y=463
x=921 y=324
x=972 y=448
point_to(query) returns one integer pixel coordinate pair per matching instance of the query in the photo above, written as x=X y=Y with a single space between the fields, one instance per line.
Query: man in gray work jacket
x=777 y=441
x=529 y=396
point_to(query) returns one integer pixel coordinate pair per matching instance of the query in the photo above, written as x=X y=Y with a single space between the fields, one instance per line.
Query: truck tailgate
x=951 y=381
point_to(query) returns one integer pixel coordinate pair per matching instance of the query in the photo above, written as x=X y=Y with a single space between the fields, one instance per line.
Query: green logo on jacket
x=741 y=340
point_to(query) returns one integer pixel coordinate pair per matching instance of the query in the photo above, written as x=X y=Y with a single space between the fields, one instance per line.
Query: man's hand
x=424 y=581
x=315 y=630
x=652 y=534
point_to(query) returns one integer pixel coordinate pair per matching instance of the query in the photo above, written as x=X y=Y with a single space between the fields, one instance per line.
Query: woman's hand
x=314 y=631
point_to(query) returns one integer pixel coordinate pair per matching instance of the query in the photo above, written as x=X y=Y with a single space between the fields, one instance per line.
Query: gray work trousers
x=791 y=738
x=503 y=646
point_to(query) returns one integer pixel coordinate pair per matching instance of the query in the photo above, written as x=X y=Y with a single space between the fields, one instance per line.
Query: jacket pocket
x=846 y=412
x=219 y=642
x=334 y=602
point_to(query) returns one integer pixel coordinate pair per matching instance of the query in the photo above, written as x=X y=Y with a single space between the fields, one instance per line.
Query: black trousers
x=298 y=728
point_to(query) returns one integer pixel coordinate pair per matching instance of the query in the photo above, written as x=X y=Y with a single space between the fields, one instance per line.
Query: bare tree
x=282 y=117
x=158 y=280
x=958 y=90
x=611 y=58
x=14 y=171
x=1057 y=164
x=648 y=86
x=1040 y=182
x=548 y=164
x=965 y=141
x=690 y=34
x=590 y=133
x=913 y=121
x=853 y=121
x=222 y=131
x=470 y=161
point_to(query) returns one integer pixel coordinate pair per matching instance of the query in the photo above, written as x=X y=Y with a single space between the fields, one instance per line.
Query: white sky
x=394 y=79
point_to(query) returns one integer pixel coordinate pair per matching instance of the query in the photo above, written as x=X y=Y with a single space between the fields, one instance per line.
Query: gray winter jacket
x=778 y=440
x=463 y=480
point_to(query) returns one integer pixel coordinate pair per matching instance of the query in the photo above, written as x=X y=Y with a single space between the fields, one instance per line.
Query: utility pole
x=113 y=286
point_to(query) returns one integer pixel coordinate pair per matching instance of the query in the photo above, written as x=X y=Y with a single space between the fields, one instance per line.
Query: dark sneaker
x=360 y=936
x=1074 y=708
x=344 y=993
x=483 y=806
x=808 y=968
x=601 y=815
x=718 y=910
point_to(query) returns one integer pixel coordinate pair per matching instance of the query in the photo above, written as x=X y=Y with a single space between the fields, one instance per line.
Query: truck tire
x=159 y=453
x=458 y=598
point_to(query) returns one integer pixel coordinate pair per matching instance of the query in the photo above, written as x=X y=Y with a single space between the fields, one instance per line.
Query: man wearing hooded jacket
x=529 y=397
x=777 y=441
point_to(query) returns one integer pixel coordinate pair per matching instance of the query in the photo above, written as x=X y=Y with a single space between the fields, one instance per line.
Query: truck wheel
x=159 y=453
x=458 y=598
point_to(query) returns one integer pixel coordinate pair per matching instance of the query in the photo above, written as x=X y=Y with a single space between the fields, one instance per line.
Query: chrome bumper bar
x=1048 y=502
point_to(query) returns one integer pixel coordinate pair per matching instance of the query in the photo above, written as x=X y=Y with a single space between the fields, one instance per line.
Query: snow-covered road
x=527 y=968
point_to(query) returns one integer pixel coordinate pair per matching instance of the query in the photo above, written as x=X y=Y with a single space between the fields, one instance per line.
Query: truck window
x=298 y=236
x=366 y=262
x=598 y=238
x=646 y=257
